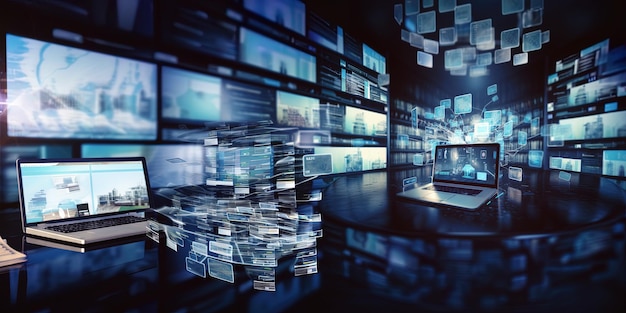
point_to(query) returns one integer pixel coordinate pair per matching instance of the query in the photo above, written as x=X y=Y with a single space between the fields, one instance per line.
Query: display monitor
x=364 y=122
x=297 y=110
x=324 y=33
x=290 y=14
x=614 y=163
x=169 y=165
x=57 y=91
x=355 y=159
x=263 y=52
x=374 y=60
x=189 y=96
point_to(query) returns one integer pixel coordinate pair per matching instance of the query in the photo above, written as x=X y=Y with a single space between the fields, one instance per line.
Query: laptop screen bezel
x=22 y=202
x=494 y=145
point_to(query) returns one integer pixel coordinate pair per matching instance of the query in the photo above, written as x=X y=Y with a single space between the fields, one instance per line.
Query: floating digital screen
x=426 y=22
x=297 y=110
x=187 y=95
x=440 y=112
x=447 y=36
x=509 y=38
x=531 y=41
x=446 y=5
x=512 y=6
x=453 y=59
x=169 y=165
x=374 y=60
x=481 y=32
x=425 y=59
x=520 y=58
x=56 y=91
x=535 y=158
x=463 y=14
x=502 y=56
x=463 y=104
x=532 y=18
x=290 y=14
x=364 y=122
x=266 y=53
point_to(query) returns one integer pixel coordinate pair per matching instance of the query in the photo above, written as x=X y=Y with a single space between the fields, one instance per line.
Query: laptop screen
x=472 y=164
x=72 y=188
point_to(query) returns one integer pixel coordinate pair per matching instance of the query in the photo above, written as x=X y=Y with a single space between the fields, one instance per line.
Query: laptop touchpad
x=436 y=197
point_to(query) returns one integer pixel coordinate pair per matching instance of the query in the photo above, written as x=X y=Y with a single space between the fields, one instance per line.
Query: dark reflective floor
x=550 y=247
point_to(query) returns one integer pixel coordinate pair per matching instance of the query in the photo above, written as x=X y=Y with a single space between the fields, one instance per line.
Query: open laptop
x=464 y=176
x=83 y=201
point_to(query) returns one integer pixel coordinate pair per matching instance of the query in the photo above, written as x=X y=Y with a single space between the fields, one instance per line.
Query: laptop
x=83 y=201
x=464 y=176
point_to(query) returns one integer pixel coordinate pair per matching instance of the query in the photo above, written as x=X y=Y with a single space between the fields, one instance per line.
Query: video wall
x=152 y=82
x=586 y=110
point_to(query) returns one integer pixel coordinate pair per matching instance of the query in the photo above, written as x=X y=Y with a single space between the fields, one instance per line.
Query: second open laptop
x=83 y=201
x=464 y=176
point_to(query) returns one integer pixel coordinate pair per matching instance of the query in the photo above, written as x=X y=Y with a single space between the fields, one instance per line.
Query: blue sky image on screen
x=261 y=51
x=187 y=95
x=55 y=91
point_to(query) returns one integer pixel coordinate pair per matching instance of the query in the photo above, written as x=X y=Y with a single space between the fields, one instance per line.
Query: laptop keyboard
x=80 y=226
x=458 y=190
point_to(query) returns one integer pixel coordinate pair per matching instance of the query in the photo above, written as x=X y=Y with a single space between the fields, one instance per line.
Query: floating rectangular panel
x=446 y=5
x=405 y=35
x=447 y=36
x=453 y=59
x=484 y=59
x=512 y=6
x=545 y=37
x=416 y=40
x=532 y=18
x=478 y=70
x=411 y=7
x=431 y=46
x=469 y=54
x=502 y=56
x=426 y=22
x=490 y=41
x=424 y=59
x=463 y=14
x=397 y=13
x=481 y=32
x=509 y=38
x=492 y=89
x=531 y=41
x=520 y=58
x=463 y=103
x=447 y=103
x=461 y=71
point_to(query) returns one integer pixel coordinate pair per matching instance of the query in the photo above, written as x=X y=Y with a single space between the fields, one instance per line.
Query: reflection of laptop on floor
x=83 y=201
x=464 y=176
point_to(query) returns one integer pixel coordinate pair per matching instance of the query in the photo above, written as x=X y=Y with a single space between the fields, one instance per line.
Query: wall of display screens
x=162 y=73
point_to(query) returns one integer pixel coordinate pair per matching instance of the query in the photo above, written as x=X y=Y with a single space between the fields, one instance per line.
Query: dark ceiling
x=573 y=24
